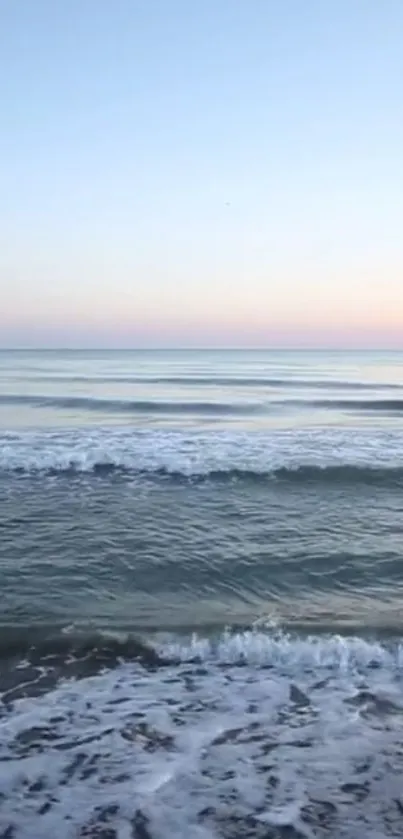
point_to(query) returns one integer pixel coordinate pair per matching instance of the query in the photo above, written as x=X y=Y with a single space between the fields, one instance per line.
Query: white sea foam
x=201 y=453
x=286 y=651
x=211 y=751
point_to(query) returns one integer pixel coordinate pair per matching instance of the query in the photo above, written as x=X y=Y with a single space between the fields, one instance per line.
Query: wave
x=389 y=405
x=196 y=408
x=302 y=741
x=269 y=647
x=338 y=455
x=221 y=381
x=276 y=648
x=36 y=644
x=213 y=408
x=391 y=477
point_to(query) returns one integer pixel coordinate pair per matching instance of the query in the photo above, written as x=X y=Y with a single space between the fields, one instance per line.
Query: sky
x=201 y=173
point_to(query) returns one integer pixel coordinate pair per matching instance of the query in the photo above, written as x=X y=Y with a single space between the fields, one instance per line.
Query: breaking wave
x=320 y=455
x=260 y=647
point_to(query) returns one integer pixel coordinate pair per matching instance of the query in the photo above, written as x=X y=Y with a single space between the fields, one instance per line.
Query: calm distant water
x=166 y=517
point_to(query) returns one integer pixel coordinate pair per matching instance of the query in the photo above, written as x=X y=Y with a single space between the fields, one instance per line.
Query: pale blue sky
x=201 y=172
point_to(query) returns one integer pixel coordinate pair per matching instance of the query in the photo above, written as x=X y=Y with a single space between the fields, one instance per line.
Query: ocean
x=201 y=586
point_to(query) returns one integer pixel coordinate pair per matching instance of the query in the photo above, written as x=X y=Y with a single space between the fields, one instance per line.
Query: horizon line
x=212 y=348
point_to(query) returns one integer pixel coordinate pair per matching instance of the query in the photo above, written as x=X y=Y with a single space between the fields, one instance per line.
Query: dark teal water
x=190 y=489
x=166 y=517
